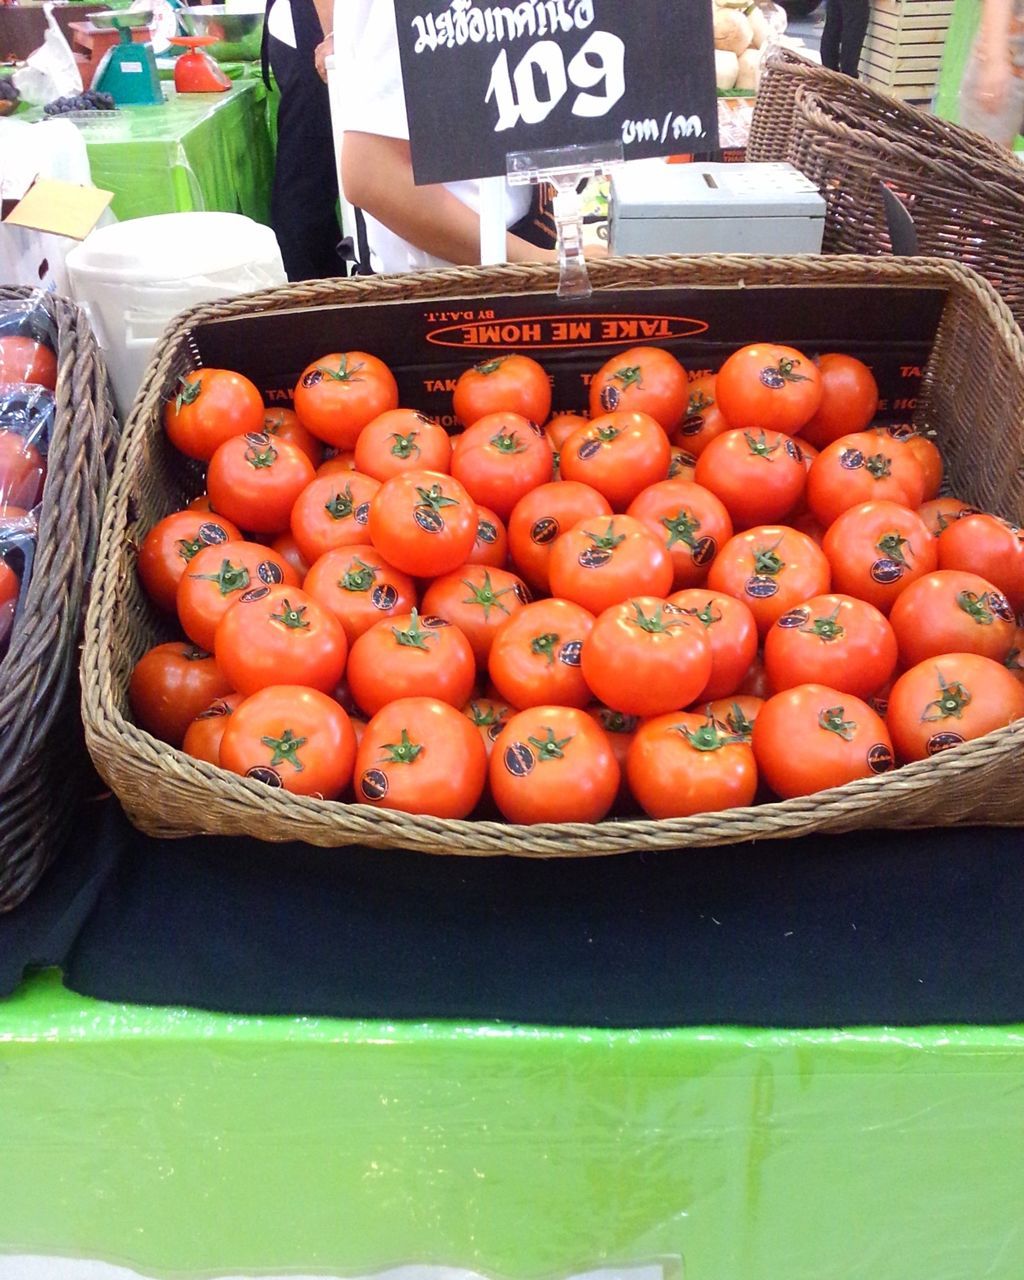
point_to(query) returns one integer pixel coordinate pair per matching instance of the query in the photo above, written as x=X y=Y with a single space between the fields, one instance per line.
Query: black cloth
x=873 y=928
x=846 y=24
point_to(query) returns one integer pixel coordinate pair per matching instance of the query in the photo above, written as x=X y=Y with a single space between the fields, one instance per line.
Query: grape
x=90 y=100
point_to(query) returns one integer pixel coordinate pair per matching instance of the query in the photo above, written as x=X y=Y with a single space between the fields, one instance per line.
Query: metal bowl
x=122 y=18
x=238 y=33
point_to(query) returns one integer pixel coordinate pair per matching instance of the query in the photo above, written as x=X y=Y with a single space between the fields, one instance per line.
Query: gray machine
x=657 y=207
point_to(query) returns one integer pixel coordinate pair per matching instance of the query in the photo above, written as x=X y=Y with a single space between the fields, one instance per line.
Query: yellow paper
x=60 y=207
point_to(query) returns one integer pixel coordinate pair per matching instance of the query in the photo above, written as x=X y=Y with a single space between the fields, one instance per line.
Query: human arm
x=992 y=53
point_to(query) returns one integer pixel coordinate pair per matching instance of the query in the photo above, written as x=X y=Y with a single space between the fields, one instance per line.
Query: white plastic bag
x=51 y=70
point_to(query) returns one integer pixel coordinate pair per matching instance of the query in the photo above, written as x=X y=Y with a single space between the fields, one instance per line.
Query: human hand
x=320 y=55
x=992 y=83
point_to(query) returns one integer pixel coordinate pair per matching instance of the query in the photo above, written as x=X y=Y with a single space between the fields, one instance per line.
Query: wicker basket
x=965 y=206
x=41 y=771
x=972 y=395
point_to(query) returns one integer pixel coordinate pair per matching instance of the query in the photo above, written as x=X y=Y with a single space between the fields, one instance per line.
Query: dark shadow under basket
x=42 y=761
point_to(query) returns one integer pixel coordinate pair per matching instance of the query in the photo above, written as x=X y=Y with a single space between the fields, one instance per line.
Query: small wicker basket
x=972 y=396
x=41 y=771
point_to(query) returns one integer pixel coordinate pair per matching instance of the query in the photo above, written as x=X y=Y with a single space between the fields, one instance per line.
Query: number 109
x=541 y=80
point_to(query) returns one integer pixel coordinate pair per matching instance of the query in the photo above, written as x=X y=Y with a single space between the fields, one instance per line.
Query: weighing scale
x=195 y=71
x=128 y=71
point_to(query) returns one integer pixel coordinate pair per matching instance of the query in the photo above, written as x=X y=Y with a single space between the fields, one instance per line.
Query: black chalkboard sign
x=483 y=78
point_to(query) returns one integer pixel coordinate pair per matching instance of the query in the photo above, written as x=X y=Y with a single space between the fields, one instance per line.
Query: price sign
x=484 y=78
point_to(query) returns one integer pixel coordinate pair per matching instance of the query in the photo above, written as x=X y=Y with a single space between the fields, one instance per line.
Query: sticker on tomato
x=519 y=759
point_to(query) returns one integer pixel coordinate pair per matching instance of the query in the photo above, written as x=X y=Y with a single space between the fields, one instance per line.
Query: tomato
x=691 y=523
x=989 y=547
x=202 y=503
x=280 y=635
x=703 y=421
x=811 y=737
x=22 y=471
x=339 y=461
x=288 y=549
x=849 y=399
x=360 y=588
x=490 y=715
x=535 y=657
x=681 y=466
x=940 y=512
x=333 y=511
x=10 y=585
x=503 y=384
x=203 y=736
x=737 y=715
x=402 y=440
x=755 y=683
x=876 y=550
x=952 y=612
x=863 y=468
x=337 y=395
x=541 y=517
x=291 y=737
x=23 y=359
x=423 y=523
x=771 y=568
x=950 y=699
x=419 y=755
x=684 y=763
x=411 y=657
x=217 y=577
x=553 y=764
x=644 y=658
x=255 y=480
x=170 y=685
x=477 y=600
x=834 y=640
x=491 y=544
x=767 y=387
x=561 y=426
x=645 y=380
x=758 y=476
x=621 y=730
x=925 y=450
x=618 y=454
x=211 y=406
x=731 y=633
x=598 y=563
x=284 y=424
x=172 y=544
x=500 y=459
x=1014 y=660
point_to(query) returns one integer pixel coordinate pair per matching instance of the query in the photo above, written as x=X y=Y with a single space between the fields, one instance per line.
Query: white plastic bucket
x=133 y=278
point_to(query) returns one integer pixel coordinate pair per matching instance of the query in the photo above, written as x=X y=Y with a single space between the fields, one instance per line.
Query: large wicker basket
x=42 y=764
x=971 y=395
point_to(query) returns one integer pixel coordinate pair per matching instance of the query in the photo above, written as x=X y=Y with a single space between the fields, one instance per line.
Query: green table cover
x=962 y=28
x=187 y=1144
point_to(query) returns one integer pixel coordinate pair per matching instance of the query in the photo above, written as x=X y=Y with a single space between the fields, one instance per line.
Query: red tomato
x=284 y=424
x=280 y=635
x=360 y=588
x=811 y=737
x=10 y=585
x=211 y=406
x=598 y=563
x=768 y=387
x=419 y=755
x=477 y=600
x=862 y=468
x=288 y=549
x=203 y=736
x=691 y=523
x=834 y=640
x=345 y=460
x=535 y=657
x=644 y=658
x=292 y=737
x=925 y=450
x=170 y=685
x=621 y=730
x=940 y=512
x=704 y=421
x=618 y=454
x=337 y=395
x=171 y=546
x=644 y=380
x=217 y=577
x=952 y=612
x=540 y=517
x=771 y=568
x=758 y=476
x=491 y=544
x=849 y=400
x=202 y=503
x=948 y=700
x=402 y=440
x=561 y=426
x=423 y=523
x=500 y=459
x=731 y=633
x=23 y=359
x=682 y=465
x=503 y=384
x=553 y=764
x=737 y=715
x=411 y=657
x=1014 y=660
x=755 y=683
x=683 y=764
x=333 y=511
x=490 y=716
x=989 y=547
x=255 y=481
x=876 y=550
x=22 y=471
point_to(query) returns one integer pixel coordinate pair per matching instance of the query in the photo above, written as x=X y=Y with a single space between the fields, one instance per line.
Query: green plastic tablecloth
x=200 y=151
x=189 y=1144
x=955 y=54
